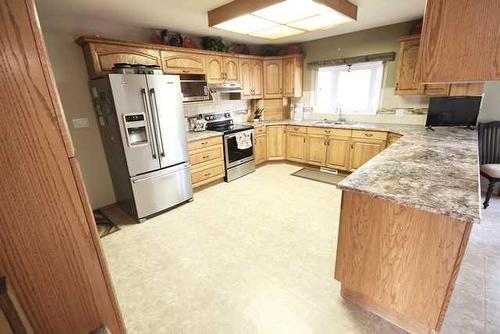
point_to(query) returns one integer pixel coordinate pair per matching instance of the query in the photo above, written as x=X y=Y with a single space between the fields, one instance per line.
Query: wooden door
x=182 y=62
x=316 y=150
x=273 y=78
x=231 y=69
x=467 y=89
x=50 y=254
x=260 y=149
x=288 y=77
x=434 y=89
x=407 y=66
x=106 y=55
x=363 y=150
x=246 y=72
x=338 y=151
x=257 y=79
x=276 y=142
x=296 y=147
x=215 y=69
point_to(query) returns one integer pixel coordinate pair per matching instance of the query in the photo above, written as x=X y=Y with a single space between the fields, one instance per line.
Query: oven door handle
x=232 y=135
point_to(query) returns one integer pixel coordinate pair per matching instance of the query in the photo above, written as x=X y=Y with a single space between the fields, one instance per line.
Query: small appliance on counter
x=298 y=112
x=453 y=111
x=238 y=141
x=198 y=124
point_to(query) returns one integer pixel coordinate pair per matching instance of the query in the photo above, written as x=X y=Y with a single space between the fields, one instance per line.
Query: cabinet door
x=231 y=69
x=104 y=56
x=296 y=147
x=260 y=149
x=183 y=62
x=316 y=150
x=215 y=69
x=288 y=77
x=246 y=72
x=364 y=150
x=338 y=150
x=408 y=57
x=467 y=89
x=434 y=89
x=257 y=79
x=273 y=78
x=276 y=142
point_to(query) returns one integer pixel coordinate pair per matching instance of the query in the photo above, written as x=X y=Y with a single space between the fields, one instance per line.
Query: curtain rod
x=386 y=56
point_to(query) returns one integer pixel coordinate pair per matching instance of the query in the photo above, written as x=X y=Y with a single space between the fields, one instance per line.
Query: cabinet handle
x=185 y=71
x=205 y=157
x=204 y=143
x=207 y=174
x=369 y=134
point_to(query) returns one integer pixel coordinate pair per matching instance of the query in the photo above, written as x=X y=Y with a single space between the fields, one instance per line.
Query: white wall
x=72 y=82
x=490 y=108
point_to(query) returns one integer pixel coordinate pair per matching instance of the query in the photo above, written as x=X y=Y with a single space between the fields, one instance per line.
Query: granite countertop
x=194 y=136
x=436 y=171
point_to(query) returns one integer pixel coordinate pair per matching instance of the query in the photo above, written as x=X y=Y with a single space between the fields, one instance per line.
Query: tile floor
x=257 y=256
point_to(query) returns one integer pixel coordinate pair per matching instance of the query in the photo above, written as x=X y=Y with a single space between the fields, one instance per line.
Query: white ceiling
x=190 y=16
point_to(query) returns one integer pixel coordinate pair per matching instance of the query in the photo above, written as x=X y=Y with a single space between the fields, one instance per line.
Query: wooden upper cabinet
x=408 y=58
x=251 y=78
x=182 y=62
x=101 y=57
x=460 y=41
x=468 y=89
x=258 y=79
x=215 y=69
x=222 y=69
x=292 y=76
x=231 y=69
x=273 y=78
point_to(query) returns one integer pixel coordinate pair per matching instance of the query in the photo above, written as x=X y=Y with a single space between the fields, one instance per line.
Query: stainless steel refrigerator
x=142 y=126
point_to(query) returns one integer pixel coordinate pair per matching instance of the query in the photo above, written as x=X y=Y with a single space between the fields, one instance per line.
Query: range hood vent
x=225 y=88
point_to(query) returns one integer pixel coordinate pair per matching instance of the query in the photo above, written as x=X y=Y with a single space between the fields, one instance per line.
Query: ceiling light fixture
x=275 y=19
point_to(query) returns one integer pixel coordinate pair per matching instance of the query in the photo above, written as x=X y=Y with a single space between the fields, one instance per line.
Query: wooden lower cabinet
x=316 y=149
x=260 y=148
x=338 y=152
x=363 y=150
x=207 y=161
x=296 y=146
x=276 y=142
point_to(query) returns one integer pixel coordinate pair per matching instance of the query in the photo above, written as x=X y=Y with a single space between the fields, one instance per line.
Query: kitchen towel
x=243 y=140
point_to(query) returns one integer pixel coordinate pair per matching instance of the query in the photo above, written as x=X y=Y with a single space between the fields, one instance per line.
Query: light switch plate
x=80 y=123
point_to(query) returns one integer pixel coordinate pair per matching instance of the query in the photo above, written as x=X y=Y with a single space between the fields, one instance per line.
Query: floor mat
x=104 y=225
x=317 y=175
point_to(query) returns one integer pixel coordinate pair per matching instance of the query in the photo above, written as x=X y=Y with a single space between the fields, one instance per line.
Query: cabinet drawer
x=260 y=130
x=195 y=145
x=207 y=174
x=330 y=132
x=296 y=129
x=210 y=154
x=369 y=134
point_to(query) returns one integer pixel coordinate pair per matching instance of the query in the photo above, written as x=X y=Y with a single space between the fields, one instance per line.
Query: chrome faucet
x=340 y=118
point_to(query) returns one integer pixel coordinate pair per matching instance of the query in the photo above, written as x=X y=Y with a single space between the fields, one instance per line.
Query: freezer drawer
x=161 y=189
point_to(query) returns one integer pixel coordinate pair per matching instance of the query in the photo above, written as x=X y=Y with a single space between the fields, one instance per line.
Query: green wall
x=377 y=40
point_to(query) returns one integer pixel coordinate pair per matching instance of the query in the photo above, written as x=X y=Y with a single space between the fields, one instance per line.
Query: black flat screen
x=453 y=111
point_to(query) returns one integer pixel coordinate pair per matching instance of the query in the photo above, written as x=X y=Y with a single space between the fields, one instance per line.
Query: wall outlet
x=80 y=123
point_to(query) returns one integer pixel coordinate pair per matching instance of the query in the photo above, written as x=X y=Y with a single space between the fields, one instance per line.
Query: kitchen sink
x=333 y=122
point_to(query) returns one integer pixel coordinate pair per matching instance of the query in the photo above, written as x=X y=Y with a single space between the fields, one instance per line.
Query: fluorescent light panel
x=284 y=19
x=277 y=32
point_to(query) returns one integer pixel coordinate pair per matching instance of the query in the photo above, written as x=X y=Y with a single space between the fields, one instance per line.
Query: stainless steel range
x=239 y=144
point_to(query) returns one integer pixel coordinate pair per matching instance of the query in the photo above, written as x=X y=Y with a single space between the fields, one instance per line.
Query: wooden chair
x=489 y=155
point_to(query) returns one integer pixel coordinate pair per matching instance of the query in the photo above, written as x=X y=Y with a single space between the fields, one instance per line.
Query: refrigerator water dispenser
x=135 y=126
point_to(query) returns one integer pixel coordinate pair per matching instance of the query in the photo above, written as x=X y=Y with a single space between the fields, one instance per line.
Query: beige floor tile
x=257 y=256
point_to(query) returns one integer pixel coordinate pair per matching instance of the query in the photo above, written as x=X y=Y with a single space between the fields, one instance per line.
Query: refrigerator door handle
x=152 y=97
x=148 y=123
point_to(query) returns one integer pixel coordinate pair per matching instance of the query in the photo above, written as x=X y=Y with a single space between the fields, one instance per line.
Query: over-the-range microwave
x=194 y=87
